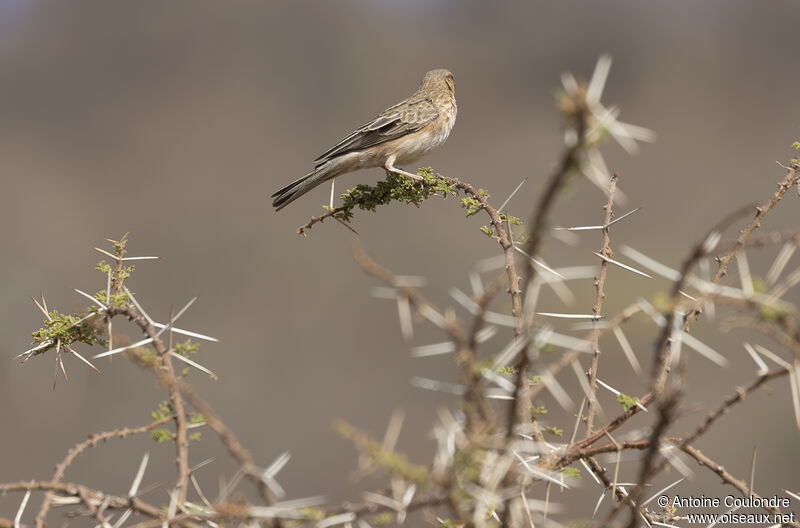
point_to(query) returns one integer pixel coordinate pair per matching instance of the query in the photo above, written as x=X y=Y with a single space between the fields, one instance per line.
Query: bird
x=401 y=134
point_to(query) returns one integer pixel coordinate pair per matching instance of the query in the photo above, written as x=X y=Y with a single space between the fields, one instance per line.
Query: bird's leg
x=389 y=166
x=333 y=185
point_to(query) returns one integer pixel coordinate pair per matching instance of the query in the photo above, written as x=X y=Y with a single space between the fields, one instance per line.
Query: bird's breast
x=413 y=146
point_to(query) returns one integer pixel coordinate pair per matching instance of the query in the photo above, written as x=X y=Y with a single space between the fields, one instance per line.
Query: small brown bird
x=402 y=133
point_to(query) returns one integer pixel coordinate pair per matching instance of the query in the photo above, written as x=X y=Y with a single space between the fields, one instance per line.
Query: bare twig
x=729 y=479
x=791 y=179
x=518 y=410
x=80 y=447
x=598 y=304
x=94 y=496
x=392 y=461
x=732 y=400
x=318 y=219
x=774 y=238
x=449 y=324
x=166 y=372
x=504 y=239
x=667 y=408
x=661 y=365
x=229 y=439
x=702 y=248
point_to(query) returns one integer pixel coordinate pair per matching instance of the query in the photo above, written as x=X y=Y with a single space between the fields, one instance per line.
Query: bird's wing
x=397 y=121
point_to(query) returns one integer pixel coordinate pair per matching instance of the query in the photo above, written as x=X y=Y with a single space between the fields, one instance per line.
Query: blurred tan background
x=176 y=120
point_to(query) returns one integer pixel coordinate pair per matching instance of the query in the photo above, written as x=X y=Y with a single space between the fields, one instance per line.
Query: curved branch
x=517 y=412
x=80 y=447
x=76 y=490
x=166 y=371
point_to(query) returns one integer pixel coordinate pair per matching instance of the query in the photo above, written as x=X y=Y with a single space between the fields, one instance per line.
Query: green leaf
x=163 y=410
x=626 y=401
x=65 y=329
x=554 y=430
x=161 y=435
x=571 y=472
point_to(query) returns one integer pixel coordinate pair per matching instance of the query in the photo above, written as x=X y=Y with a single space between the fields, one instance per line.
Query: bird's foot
x=401 y=172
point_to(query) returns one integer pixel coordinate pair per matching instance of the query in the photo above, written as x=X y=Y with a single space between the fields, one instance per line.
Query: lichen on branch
x=398 y=188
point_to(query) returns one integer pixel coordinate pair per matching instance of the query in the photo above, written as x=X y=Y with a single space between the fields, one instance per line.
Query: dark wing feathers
x=397 y=121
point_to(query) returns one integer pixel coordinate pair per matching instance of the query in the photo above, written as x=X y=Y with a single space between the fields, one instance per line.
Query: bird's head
x=440 y=78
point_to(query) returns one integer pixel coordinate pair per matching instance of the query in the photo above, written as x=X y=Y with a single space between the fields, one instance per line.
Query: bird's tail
x=299 y=187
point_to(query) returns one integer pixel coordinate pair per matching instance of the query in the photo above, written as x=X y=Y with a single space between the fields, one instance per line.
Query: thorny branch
x=166 y=371
x=581 y=450
x=79 y=448
x=518 y=410
x=211 y=418
x=732 y=400
x=483 y=458
x=702 y=248
x=85 y=494
x=661 y=366
x=600 y=281
x=666 y=407
x=729 y=479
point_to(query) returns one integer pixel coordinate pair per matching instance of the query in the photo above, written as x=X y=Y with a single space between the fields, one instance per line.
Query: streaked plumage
x=401 y=134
